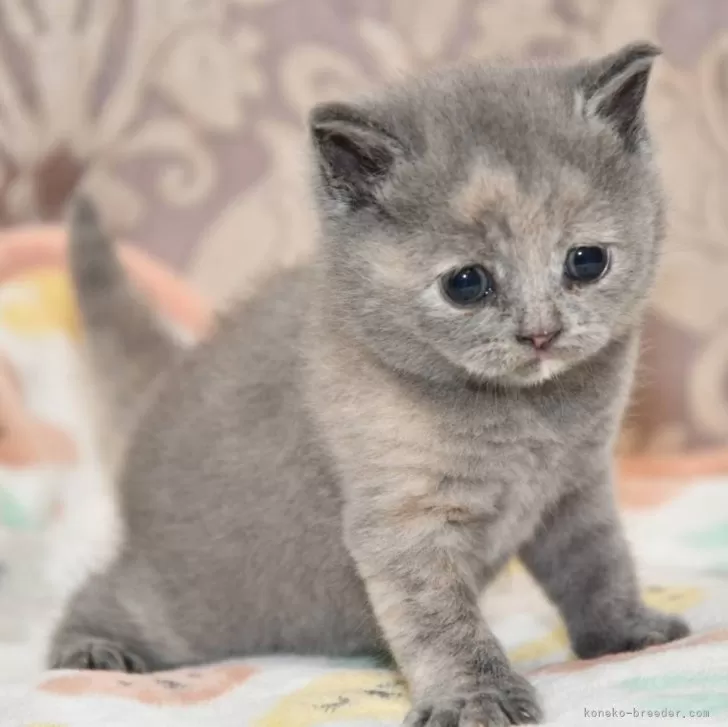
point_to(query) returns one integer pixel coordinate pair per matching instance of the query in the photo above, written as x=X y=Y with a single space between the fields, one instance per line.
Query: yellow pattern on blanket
x=344 y=695
x=42 y=425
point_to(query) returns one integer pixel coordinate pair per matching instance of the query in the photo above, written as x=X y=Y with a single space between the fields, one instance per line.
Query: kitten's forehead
x=557 y=196
x=486 y=190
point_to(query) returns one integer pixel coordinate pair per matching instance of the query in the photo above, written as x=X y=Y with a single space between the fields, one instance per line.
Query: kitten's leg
x=71 y=651
x=581 y=558
x=425 y=601
x=96 y=631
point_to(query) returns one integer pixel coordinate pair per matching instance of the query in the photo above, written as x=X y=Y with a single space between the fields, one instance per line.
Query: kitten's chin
x=542 y=370
x=531 y=373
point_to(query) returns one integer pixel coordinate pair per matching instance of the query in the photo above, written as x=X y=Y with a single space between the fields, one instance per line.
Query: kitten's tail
x=127 y=345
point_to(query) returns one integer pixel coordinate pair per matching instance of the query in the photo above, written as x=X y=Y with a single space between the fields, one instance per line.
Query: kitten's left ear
x=614 y=90
x=355 y=152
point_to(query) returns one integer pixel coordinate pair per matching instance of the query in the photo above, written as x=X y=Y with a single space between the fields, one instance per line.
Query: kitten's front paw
x=649 y=628
x=97 y=654
x=510 y=701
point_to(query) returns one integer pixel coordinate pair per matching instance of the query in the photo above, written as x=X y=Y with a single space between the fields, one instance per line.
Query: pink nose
x=540 y=341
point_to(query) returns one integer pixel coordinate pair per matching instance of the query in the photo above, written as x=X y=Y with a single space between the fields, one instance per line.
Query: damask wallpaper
x=185 y=119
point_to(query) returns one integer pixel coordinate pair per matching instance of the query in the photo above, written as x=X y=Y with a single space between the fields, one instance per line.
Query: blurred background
x=185 y=120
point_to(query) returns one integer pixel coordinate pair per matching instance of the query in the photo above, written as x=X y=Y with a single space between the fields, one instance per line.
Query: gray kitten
x=355 y=453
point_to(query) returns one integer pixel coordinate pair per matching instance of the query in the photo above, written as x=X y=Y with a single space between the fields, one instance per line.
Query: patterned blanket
x=55 y=510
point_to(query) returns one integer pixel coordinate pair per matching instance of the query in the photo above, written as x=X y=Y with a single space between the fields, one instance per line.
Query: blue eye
x=586 y=264
x=468 y=285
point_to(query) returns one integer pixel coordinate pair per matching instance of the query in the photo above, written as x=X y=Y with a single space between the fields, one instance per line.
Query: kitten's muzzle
x=540 y=341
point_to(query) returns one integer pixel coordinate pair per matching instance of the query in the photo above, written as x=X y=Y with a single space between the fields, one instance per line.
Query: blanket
x=56 y=514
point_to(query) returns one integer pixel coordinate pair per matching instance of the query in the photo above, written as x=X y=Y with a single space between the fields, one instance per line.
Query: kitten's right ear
x=614 y=89
x=355 y=153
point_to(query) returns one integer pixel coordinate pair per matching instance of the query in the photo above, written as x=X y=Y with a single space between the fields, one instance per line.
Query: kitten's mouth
x=527 y=367
x=542 y=365
x=541 y=368
x=536 y=358
x=545 y=355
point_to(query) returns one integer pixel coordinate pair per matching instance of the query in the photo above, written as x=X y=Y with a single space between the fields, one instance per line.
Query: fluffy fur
x=349 y=459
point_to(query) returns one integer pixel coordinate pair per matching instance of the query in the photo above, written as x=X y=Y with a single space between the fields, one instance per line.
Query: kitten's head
x=502 y=223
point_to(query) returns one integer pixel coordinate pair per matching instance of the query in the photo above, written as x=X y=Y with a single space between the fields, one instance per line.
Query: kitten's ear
x=614 y=89
x=354 y=152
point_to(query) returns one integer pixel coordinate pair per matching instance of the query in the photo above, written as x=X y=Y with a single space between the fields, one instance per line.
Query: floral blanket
x=55 y=509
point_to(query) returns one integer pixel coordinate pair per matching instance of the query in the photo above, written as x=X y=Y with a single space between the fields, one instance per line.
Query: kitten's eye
x=468 y=285
x=586 y=264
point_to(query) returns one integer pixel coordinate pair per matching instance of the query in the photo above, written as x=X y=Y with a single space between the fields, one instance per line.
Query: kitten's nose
x=540 y=341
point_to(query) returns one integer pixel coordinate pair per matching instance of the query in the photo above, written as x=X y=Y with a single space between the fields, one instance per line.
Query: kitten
x=354 y=454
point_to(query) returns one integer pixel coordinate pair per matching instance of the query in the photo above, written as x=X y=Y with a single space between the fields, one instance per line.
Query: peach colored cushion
x=25 y=248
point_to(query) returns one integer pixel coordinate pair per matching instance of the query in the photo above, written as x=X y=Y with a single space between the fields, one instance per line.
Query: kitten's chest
x=483 y=463
x=495 y=471
x=502 y=483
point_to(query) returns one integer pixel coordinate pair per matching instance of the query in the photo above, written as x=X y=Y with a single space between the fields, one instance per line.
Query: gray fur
x=349 y=460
